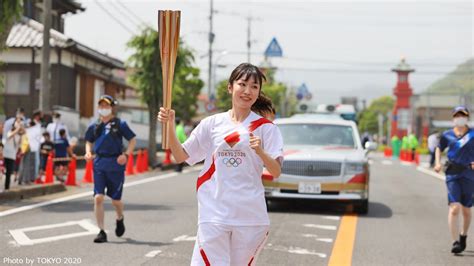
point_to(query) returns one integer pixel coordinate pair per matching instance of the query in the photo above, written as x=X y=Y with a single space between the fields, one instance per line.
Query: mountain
x=460 y=80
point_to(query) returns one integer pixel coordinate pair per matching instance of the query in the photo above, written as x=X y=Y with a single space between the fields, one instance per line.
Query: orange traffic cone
x=167 y=157
x=145 y=160
x=129 y=168
x=49 y=170
x=417 y=158
x=71 y=176
x=88 y=176
x=138 y=164
x=38 y=180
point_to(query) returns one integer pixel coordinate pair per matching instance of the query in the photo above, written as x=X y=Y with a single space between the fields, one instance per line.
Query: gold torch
x=168 y=26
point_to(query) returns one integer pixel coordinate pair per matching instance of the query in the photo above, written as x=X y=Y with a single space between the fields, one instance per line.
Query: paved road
x=406 y=225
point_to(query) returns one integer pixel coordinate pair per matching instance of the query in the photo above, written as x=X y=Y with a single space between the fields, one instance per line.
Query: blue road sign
x=274 y=49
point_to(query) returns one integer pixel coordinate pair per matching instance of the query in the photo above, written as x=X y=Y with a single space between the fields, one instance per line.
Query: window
x=17 y=82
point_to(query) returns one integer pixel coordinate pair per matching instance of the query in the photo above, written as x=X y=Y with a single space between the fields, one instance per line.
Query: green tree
x=10 y=11
x=368 y=119
x=147 y=77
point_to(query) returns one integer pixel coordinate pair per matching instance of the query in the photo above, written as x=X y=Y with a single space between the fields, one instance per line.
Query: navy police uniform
x=108 y=145
x=459 y=173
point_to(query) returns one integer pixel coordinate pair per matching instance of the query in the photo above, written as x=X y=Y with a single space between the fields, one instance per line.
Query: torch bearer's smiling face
x=244 y=92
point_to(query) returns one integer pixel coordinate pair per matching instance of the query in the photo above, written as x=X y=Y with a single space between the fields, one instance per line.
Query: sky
x=337 y=48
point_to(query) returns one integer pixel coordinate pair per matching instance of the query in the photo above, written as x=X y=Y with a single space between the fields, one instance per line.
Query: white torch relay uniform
x=233 y=219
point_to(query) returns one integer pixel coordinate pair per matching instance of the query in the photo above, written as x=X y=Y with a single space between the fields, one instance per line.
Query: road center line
x=89 y=193
x=344 y=245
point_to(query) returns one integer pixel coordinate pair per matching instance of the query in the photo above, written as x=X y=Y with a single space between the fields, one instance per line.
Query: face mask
x=105 y=112
x=460 y=121
x=55 y=120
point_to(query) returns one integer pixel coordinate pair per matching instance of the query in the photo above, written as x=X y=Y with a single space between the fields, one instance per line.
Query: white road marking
x=406 y=163
x=184 y=238
x=431 y=173
x=90 y=193
x=334 y=218
x=324 y=227
x=153 y=253
x=295 y=250
x=302 y=251
x=327 y=240
x=387 y=162
x=23 y=240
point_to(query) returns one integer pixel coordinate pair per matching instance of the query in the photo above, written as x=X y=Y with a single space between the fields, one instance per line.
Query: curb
x=29 y=192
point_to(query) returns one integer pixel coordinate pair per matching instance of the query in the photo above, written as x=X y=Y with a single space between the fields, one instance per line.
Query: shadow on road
x=138 y=242
x=376 y=209
x=89 y=207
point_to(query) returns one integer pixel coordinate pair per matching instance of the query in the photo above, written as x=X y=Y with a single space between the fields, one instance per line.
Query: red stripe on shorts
x=204 y=257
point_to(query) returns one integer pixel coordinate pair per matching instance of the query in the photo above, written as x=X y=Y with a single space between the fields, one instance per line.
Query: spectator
x=46 y=148
x=413 y=145
x=7 y=126
x=433 y=142
x=182 y=138
x=26 y=159
x=61 y=150
x=54 y=127
x=2 y=162
x=34 y=138
x=12 y=144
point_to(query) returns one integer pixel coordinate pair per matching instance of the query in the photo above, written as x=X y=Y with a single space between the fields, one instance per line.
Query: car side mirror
x=370 y=146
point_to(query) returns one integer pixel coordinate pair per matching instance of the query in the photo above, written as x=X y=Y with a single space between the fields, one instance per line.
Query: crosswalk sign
x=274 y=49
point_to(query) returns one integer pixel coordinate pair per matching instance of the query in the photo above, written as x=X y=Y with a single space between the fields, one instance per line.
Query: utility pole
x=249 y=41
x=211 y=40
x=45 y=90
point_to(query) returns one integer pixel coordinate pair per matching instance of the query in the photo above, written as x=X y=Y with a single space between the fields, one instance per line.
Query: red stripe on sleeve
x=255 y=124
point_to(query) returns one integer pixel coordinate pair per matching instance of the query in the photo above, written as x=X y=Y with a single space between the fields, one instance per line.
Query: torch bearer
x=168 y=26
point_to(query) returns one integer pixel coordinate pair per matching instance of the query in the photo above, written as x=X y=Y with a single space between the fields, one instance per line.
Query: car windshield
x=318 y=135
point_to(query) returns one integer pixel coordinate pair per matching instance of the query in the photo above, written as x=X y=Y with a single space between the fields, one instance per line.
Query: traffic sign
x=274 y=49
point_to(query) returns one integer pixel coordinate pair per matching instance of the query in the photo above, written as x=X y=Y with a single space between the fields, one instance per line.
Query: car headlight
x=353 y=168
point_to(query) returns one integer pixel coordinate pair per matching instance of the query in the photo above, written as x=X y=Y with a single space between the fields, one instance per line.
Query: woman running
x=235 y=146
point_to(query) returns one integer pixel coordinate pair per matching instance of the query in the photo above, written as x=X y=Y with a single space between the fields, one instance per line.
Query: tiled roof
x=28 y=33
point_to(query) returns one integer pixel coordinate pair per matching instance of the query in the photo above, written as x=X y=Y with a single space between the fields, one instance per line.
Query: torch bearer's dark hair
x=246 y=71
x=263 y=105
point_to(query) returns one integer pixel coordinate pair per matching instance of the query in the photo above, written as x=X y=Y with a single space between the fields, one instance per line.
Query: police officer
x=459 y=174
x=104 y=138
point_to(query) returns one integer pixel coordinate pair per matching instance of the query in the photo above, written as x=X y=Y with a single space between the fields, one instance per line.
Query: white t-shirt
x=54 y=128
x=229 y=187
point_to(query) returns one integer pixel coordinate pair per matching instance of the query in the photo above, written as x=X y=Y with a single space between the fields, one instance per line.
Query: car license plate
x=309 y=188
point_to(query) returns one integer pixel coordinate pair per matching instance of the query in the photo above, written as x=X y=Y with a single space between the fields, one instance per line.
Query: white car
x=324 y=159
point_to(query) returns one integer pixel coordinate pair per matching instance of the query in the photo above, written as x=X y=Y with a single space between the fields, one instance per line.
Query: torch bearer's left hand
x=165 y=116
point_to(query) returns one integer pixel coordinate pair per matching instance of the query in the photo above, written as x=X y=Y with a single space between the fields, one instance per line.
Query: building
x=79 y=74
x=403 y=92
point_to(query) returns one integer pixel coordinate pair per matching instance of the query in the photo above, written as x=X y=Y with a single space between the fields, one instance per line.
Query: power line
x=114 y=18
x=132 y=13
x=125 y=15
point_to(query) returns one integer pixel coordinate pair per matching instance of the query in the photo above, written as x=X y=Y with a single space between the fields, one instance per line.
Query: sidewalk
x=23 y=193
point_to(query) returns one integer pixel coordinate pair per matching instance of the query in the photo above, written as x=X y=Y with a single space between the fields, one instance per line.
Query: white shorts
x=224 y=245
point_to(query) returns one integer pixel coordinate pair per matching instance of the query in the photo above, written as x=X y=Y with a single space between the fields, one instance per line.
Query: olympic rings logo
x=229 y=162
